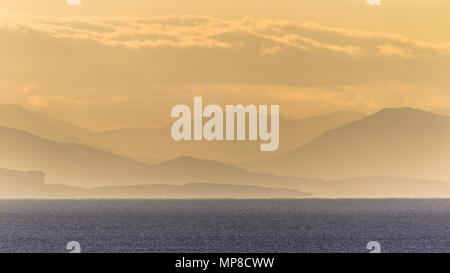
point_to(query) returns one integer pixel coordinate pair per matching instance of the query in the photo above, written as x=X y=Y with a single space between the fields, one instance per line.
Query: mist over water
x=225 y=225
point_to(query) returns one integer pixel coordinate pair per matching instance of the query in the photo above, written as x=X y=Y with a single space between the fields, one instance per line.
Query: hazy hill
x=157 y=143
x=15 y=184
x=296 y=133
x=79 y=165
x=68 y=128
x=188 y=169
x=15 y=116
x=81 y=135
x=195 y=165
x=71 y=164
x=153 y=145
x=11 y=177
x=393 y=142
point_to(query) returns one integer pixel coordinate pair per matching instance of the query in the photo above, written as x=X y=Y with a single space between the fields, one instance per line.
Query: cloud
x=266 y=51
x=143 y=64
x=390 y=50
x=204 y=31
x=76 y=53
x=43 y=101
x=363 y=98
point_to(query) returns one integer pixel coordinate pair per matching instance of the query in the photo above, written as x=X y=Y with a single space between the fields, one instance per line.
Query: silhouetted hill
x=15 y=184
x=188 y=169
x=18 y=185
x=79 y=165
x=150 y=145
x=393 y=142
x=77 y=134
x=68 y=128
x=194 y=164
x=17 y=177
x=71 y=164
x=15 y=116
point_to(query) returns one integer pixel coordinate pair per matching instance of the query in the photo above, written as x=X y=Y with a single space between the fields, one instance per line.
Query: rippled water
x=225 y=225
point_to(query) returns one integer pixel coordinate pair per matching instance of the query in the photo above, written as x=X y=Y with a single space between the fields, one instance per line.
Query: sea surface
x=225 y=225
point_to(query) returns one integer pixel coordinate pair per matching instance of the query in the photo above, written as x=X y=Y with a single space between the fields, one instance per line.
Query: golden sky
x=108 y=64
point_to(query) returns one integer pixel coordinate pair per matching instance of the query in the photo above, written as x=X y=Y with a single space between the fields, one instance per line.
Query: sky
x=109 y=64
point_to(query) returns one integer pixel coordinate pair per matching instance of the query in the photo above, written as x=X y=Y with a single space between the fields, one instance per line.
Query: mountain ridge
x=84 y=166
x=151 y=145
x=374 y=145
x=17 y=117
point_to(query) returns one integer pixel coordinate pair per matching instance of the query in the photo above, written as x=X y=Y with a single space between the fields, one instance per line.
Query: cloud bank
x=123 y=60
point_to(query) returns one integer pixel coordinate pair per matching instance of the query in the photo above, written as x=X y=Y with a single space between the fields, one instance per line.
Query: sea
x=225 y=226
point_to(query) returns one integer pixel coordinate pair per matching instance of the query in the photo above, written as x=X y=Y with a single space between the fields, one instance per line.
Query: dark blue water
x=226 y=225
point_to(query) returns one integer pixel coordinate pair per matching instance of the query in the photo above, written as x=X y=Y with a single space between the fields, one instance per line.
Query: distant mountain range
x=393 y=153
x=83 y=166
x=17 y=117
x=15 y=184
x=393 y=142
x=156 y=145
x=71 y=164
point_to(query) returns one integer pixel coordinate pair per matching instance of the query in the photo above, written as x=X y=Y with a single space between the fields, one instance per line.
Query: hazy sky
x=108 y=64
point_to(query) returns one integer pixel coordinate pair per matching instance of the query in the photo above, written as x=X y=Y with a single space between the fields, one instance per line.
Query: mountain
x=188 y=169
x=11 y=177
x=152 y=146
x=71 y=164
x=405 y=142
x=15 y=184
x=17 y=117
x=74 y=131
x=393 y=142
x=296 y=133
x=201 y=166
x=142 y=143
x=83 y=136
x=83 y=166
